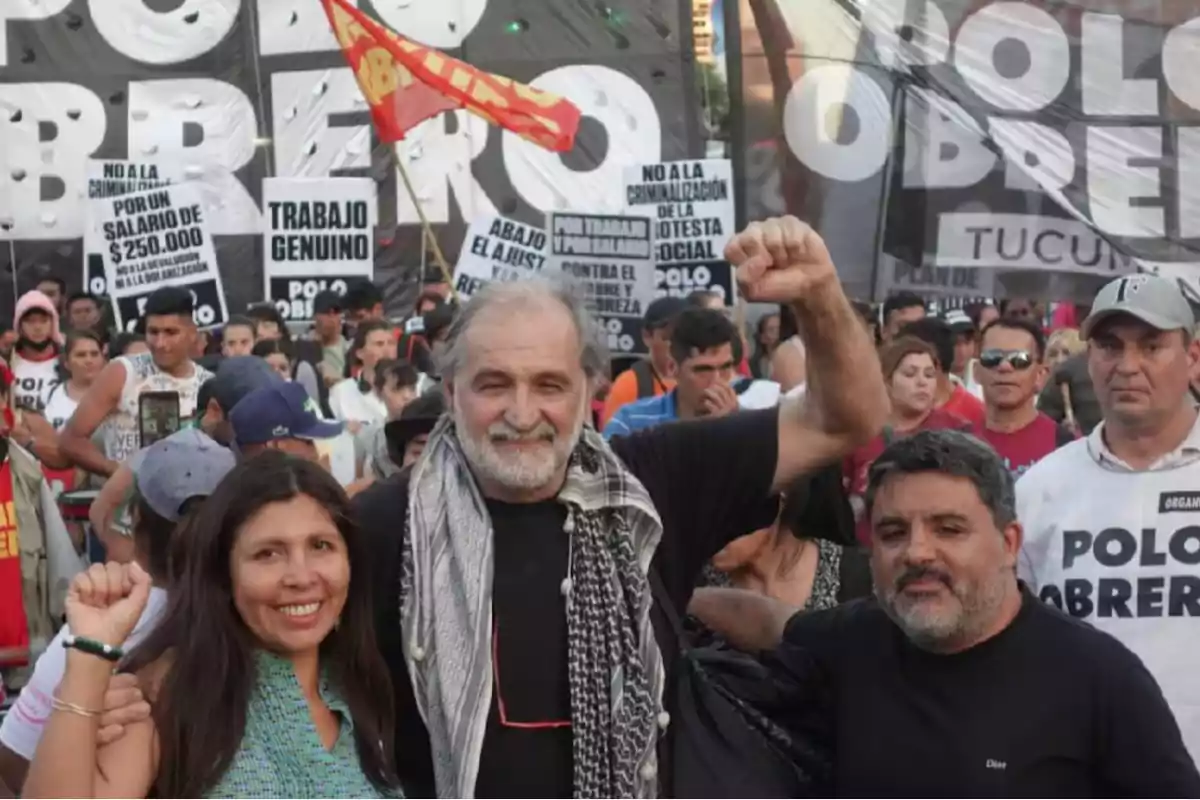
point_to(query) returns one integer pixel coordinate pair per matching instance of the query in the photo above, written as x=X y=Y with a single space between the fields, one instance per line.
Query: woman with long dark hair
x=174 y=477
x=264 y=673
x=354 y=399
x=83 y=358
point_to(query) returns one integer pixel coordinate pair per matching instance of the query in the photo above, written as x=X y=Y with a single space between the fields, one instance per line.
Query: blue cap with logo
x=279 y=411
x=184 y=465
x=238 y=376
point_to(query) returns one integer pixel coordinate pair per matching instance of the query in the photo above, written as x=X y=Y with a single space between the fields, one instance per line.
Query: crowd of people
x=853 y=551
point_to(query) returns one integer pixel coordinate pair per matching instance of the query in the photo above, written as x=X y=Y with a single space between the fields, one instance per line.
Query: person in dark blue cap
x=237 y=377
x=280 y=416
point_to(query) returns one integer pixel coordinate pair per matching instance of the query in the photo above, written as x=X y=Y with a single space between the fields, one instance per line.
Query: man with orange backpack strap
x=651 y=376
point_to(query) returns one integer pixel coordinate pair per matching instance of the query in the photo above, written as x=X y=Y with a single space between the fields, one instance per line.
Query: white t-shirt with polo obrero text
x=32 y=382
x=1121 y=549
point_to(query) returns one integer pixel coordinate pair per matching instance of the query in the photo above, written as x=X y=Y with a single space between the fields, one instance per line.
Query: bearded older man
x=955 y=680
x=529 y=658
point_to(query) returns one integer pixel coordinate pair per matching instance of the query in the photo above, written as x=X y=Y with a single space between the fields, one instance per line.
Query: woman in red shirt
x=910 y=371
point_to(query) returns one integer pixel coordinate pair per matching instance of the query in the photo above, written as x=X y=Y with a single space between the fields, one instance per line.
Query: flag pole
x=427 y=230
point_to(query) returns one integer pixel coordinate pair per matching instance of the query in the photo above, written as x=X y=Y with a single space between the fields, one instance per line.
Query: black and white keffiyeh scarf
x=615 y=668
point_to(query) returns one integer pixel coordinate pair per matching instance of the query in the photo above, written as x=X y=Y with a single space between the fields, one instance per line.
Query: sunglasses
x=1017 y=359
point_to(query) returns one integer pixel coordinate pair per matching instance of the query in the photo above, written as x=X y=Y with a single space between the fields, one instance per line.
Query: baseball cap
x=438 y=320
x=1156 y=301
x=958 y=321
x=279 y=411
x=186 y=464
x=327 y=302
x=238 y=376
x=663 y=311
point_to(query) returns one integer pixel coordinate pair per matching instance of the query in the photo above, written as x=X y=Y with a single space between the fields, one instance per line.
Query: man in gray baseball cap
x=1141 y=355
x=183 y=466
x=1131 y=483
x=1156 y=301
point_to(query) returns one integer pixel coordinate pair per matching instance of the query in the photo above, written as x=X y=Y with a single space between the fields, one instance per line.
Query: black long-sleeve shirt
x=1050 y=707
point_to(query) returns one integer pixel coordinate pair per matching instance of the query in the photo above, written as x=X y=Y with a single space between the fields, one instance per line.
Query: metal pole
x=897 y=104
x=447 y=274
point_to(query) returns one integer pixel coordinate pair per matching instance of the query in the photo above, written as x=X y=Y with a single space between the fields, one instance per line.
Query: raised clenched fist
x=780 y=260
x=105 y=602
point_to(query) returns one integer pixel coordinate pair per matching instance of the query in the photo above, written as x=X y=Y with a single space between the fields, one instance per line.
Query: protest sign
x=159 y=238
x=691 y=203
x=319 y=234
x=111 y=179
x=498 y=249
x=612 y=260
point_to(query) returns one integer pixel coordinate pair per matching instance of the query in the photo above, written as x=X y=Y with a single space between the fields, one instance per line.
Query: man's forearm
x=749 y=621
x=83 y=453
x=845 y=381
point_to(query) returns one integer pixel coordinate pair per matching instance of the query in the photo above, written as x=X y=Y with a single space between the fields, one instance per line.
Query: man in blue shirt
x=705 y=353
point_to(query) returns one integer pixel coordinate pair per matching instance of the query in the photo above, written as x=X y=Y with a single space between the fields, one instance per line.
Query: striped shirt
x=641 y=414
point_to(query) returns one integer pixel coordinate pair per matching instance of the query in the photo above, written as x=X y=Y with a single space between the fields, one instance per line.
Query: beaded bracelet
x=94 y=648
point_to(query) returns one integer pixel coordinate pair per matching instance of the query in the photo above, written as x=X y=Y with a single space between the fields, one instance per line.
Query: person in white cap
x=170 y=478
x=1112 y=521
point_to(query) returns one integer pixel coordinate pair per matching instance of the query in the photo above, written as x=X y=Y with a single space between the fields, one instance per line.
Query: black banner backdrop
x=182 y=81
x=976 y=147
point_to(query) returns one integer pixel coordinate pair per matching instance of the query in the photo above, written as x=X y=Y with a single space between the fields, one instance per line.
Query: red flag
x=406 y=83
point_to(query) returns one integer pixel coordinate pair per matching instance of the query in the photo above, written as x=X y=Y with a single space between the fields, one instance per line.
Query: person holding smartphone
x=114 y=397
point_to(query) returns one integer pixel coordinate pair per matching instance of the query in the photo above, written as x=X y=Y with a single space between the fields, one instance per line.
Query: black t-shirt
x=710 y=481
x=1050 y=707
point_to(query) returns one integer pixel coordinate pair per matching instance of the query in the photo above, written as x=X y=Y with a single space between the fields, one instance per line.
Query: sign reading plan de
x=498 y=249
x=159 y=238
x=320 y=234
x=612 y=259
x=691 y=203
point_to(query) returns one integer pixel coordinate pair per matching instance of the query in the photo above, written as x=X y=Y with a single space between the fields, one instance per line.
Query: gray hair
x=525 y=294
x=951 y=453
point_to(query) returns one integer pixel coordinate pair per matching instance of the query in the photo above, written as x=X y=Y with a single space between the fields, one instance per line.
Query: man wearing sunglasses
x=1011 y=372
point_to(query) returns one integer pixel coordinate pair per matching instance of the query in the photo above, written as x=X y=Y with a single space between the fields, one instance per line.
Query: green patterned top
x=281 y=754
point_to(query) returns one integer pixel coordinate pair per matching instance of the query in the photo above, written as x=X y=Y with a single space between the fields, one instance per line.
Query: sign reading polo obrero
x=1049 y=142
x=227 y=93
x=319 y=235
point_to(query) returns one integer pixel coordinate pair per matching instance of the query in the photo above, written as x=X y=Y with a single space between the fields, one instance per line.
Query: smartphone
x=158 y=416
